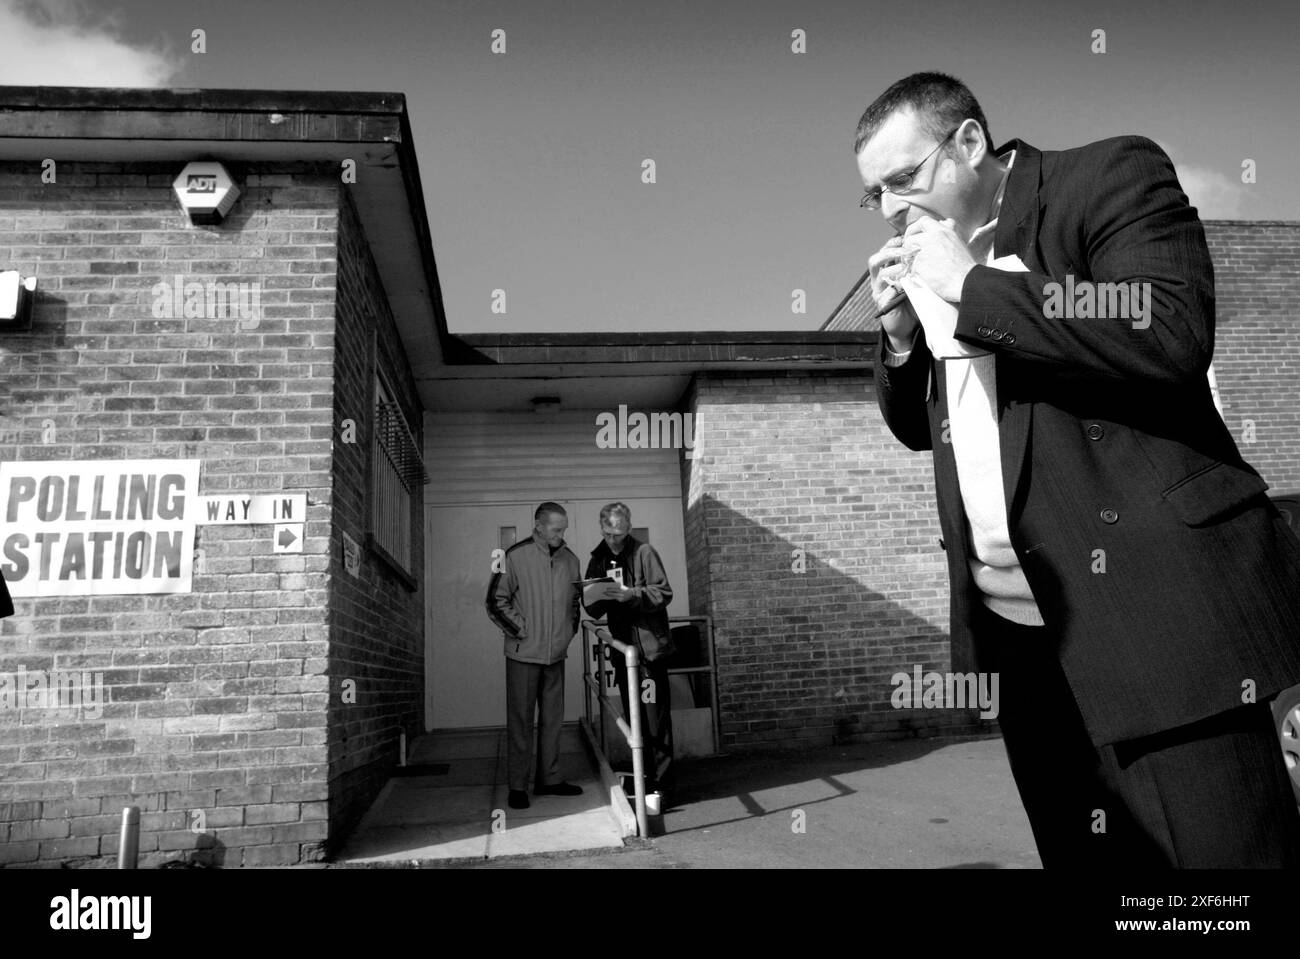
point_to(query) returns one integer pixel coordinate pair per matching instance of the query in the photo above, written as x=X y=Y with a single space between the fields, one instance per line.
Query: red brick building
x=220 y=721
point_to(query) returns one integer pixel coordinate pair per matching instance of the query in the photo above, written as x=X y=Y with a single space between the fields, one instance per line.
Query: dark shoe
x=559 y=789
x=518 y=799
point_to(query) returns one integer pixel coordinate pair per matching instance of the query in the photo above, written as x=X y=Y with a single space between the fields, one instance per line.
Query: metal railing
x=632 y=731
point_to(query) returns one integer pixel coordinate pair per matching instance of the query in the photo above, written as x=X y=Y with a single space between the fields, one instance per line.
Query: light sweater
x=973 y=428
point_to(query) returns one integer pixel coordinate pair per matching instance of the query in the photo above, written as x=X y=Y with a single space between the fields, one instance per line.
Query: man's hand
x=886 y=266
x=619 y=594
x=941 y=259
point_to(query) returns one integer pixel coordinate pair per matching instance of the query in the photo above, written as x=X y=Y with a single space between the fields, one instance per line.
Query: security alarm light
x=16 y=295
x=206 y=192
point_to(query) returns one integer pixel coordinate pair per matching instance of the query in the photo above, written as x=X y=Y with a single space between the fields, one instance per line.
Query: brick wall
x=805 y=462
x=216 y=698
x=376 y=618
x=1256 y=361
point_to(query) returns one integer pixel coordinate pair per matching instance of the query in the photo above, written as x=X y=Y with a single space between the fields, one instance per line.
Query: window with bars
x=397 y=473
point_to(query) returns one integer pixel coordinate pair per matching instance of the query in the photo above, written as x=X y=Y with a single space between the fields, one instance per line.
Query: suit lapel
x=1017 y=232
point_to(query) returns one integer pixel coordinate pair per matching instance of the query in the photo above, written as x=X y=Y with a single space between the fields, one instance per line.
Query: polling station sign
x=98 y=527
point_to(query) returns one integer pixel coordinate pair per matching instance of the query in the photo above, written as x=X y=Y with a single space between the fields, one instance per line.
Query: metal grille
x=398 y=472
x=398 y=445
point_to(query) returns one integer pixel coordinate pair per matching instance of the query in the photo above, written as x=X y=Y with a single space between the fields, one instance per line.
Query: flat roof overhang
x=462 y=372
x=116 y=125
x=504 y=372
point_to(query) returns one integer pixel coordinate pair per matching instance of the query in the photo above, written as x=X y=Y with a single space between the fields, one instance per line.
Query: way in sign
x=253 y=509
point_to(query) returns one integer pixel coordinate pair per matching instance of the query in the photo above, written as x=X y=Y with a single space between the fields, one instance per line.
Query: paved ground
x=458 y=809
x=916 y=804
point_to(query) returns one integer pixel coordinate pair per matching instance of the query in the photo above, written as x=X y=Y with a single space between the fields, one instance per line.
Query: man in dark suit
x=1110 y=553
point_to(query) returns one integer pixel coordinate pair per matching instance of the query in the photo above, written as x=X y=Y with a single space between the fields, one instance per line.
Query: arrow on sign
x=287 y=538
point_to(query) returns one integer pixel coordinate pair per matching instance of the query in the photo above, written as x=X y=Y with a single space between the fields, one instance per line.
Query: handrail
x=631 y=733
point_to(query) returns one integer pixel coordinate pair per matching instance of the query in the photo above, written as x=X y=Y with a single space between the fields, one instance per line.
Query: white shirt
x=973 y=428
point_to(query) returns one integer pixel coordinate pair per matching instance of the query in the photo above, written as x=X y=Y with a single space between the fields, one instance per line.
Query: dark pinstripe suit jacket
x=1110 y=441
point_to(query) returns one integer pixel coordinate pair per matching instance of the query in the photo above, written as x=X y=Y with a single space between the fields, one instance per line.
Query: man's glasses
x=900 y=183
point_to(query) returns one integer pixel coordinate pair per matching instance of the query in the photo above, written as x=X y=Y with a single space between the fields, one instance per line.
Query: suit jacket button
x=1108 y=515
x=1009 y=338
x=997 y=334
x=983 y=331
x=1095 y=432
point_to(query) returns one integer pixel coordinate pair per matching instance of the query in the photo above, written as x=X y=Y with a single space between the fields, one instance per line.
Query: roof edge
x=191 y=99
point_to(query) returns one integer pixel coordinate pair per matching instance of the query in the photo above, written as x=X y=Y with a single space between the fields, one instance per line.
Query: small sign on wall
x=601 y=665
x=247 y=508
x=96 y=528
x=287 y=538
x=351 y=555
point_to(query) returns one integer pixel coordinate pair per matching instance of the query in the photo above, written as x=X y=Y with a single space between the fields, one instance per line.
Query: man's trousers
x=529 y=686
x=1210 y=794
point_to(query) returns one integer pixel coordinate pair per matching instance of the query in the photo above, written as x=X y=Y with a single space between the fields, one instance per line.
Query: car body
x=1286 y=705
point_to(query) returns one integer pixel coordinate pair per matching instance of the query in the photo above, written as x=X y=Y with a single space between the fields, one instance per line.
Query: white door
x=489 y=471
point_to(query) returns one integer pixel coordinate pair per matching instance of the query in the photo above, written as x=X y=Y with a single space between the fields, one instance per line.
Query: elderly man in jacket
x=534 y=599
x=637 y=614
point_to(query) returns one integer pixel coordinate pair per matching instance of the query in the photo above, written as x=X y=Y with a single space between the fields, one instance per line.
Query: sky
x=533 y=160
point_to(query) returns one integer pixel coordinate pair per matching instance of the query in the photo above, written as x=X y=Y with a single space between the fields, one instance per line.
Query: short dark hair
x=548 y=507
x=940 y=101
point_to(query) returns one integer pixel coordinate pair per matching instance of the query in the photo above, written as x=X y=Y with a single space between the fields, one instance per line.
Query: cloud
x=1215 y=194
x=67 y=43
